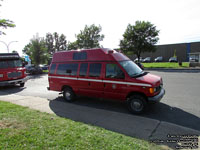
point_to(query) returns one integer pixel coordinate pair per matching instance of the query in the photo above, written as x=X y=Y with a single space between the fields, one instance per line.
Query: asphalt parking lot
x=180 y=105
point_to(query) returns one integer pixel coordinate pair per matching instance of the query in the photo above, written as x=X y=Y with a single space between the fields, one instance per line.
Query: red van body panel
x=85 y=82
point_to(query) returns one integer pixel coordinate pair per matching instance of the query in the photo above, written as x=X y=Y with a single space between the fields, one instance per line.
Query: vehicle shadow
x=160 y=111
x=36 y=76
x=115 y=116
x=11 y=89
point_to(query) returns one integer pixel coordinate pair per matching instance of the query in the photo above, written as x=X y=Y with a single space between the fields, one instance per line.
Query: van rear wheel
x=68 y=95
x=137 y=104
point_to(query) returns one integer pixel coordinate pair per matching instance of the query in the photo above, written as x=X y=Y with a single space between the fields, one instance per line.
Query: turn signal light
x=152 y=90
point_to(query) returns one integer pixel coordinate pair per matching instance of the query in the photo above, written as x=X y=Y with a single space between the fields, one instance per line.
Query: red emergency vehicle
x=103 y=73
x=11 y=70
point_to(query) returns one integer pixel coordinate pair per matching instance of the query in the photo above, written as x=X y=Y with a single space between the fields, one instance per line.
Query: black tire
x=22 y=84
x=137 y=104
x=68 y=95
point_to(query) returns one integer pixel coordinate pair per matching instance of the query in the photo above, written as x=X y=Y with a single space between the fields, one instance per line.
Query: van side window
x=83 y=69
x=113 y=71
x=80 y=55
x=52 y=69
x=95 y=70
x=67 y=69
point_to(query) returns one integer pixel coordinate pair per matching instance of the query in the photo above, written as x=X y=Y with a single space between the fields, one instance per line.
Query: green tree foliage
x=5 y=23
x=72 y=46
x=89 y=37
x=55 y=42
x=139 y=38
x=37 y=51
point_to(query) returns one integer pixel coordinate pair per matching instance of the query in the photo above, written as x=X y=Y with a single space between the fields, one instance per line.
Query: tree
x=139 y=38
x=5 y=23
x=72 y=46
x=37 y=51
x=55 y=43
x=89 y=37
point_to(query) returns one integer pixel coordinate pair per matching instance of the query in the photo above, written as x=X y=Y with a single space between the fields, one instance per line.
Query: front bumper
x=158 y=97
x=13 y=82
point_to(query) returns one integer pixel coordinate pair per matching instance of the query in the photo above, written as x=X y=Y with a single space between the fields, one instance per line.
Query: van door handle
x=89 y=83
x=104 y=85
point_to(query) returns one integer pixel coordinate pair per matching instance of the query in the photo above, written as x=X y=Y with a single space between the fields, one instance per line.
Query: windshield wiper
x=136 y=75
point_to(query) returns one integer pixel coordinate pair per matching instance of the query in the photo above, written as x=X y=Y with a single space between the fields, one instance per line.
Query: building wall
x=182 y=51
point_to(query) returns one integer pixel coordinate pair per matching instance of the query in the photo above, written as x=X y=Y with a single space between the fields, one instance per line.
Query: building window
x=95 y=70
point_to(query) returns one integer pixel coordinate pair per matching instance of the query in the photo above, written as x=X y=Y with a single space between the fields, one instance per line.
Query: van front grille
x=14 y=74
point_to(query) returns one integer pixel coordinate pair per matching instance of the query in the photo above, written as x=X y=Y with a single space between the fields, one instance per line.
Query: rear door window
x=95 y=70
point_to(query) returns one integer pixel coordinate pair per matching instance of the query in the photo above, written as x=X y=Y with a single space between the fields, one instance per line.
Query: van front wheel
x=68 y=95
x=137 y=104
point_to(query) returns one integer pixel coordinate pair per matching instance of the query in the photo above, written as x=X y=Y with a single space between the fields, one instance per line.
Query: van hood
x=154 y=80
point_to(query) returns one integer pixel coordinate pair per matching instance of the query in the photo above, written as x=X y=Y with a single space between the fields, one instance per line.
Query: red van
x=103 y=73
x=11 y=70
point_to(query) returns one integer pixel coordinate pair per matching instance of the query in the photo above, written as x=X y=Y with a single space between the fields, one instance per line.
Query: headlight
x=1 y=75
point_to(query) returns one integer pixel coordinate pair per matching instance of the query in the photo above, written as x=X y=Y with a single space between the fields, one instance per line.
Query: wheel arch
x=135 y=93
x=66 y=86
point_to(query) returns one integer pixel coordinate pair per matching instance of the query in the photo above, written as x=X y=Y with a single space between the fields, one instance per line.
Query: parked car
x=147 y=59
x=173 y=59
x=33 y=69
x=158 y=59
x=104 y=73
x=136 y=60
x=193 y=59
x=44 y=67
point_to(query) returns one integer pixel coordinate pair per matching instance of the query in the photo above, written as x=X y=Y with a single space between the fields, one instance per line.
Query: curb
x=174 y=70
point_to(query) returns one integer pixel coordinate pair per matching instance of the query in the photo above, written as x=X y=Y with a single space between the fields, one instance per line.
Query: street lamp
x=7 y=45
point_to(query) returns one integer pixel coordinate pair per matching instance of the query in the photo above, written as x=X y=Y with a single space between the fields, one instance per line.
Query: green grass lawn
x=23 y=128
x=166 y=65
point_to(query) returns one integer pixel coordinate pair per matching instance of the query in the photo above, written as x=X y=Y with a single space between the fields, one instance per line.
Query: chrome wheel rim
x=68 y=95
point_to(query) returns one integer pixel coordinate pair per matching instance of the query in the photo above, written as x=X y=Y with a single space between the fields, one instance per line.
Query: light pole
x=7 y=45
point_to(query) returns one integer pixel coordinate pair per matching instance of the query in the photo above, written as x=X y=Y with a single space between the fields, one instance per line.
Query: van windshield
x=131 y=68
x=10 y=64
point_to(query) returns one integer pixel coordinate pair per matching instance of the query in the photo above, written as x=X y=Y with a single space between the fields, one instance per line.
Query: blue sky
x=177 y=20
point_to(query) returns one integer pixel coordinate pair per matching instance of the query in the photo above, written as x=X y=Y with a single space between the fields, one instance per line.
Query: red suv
x=103 y=73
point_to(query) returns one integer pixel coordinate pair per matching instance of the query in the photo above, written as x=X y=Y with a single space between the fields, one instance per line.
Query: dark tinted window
x=3 y=64
x=95 y=70
x=83 y=69
x=67 y=69
x=52 y=69
x=79 y=56
x=113 y=71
